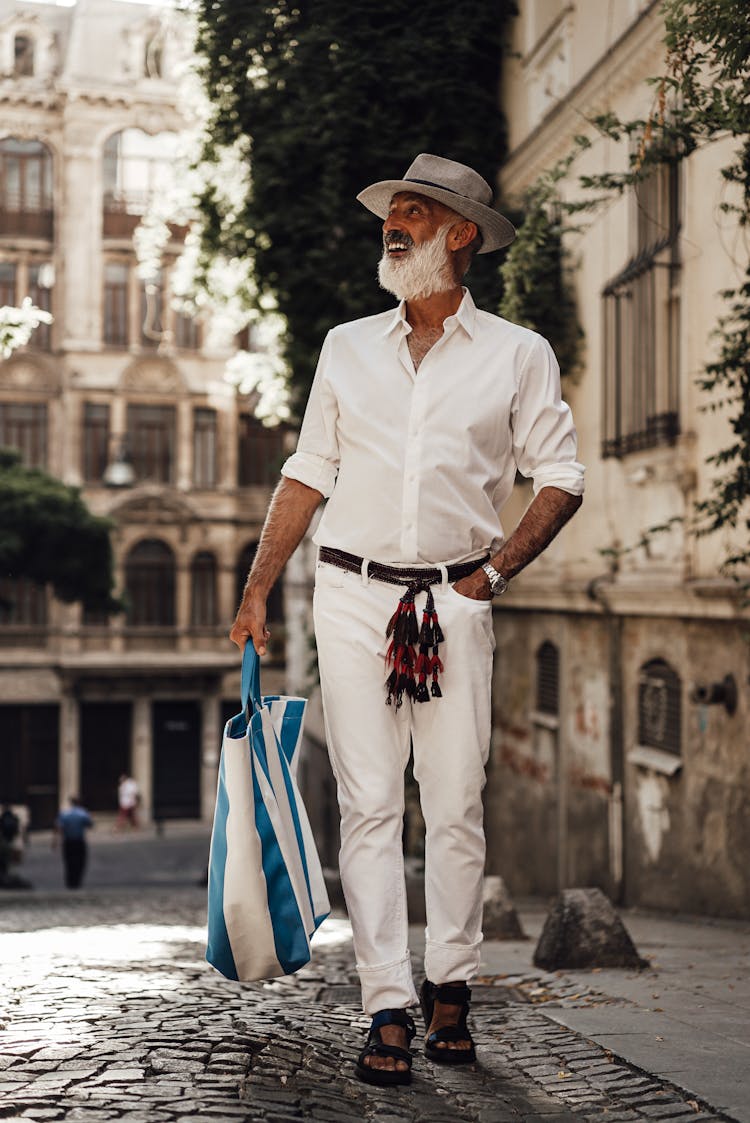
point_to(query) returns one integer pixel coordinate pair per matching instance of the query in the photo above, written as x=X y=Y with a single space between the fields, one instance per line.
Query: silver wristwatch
x=498 y=583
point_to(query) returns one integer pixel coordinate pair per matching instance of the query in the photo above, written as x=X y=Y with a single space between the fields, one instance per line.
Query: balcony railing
x=28 y=224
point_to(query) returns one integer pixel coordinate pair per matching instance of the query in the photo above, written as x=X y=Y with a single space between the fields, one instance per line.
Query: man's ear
x=463 y=234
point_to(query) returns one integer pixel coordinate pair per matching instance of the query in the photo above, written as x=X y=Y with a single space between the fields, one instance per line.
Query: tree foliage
x=48 y=536
x=537 y=291
x=331 y=97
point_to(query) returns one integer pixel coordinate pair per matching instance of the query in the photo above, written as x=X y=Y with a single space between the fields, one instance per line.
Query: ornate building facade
x=126 y=398
x=620 y=754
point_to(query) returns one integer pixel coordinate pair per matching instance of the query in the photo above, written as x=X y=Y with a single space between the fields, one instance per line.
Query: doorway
x=176 y=739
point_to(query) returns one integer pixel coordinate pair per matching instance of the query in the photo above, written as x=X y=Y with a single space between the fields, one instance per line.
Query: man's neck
x=433 y=310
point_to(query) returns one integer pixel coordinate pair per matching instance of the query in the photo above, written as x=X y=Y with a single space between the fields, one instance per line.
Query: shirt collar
x=465 y=315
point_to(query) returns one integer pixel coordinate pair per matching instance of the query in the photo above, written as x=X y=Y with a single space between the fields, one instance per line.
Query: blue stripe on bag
x=292 y=950
x=219 y=951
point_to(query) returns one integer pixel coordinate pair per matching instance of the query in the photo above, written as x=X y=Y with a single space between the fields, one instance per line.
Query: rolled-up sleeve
x=544 y=436
x=316 y=460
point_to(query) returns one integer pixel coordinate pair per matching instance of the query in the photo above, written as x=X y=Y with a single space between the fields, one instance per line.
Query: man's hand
x=250 y=622
x=475 y=587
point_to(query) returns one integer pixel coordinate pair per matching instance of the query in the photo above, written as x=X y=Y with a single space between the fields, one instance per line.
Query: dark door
x=105 y=751
x=177 y=759
x=29 y=738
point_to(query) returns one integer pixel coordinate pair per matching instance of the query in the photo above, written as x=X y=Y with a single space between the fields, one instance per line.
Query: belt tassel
x=410 y=669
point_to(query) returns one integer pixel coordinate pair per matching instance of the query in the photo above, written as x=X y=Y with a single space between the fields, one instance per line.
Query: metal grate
x=548 y=679
x=659 y=706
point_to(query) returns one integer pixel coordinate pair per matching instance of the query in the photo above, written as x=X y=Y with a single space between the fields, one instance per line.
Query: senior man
x=417 y=422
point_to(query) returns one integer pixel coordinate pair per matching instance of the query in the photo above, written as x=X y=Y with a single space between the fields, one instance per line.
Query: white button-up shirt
x=417 y=467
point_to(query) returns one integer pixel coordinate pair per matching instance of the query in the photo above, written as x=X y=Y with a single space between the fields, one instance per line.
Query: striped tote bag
x=266 y=894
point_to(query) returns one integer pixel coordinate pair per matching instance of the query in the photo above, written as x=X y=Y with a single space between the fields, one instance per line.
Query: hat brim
x=496 y=231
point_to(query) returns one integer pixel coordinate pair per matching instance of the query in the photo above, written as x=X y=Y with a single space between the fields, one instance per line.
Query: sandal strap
x=451 y=994
x=394 y=1017
x=380 y=1049
x=450 y=1035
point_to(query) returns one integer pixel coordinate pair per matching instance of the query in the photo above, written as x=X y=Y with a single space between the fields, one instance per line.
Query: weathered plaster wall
x=688 y=837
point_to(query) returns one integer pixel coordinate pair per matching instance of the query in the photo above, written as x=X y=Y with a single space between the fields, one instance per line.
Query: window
x=23 y=425
x=204 y=447
x=153 y=59
x=260 y=452
x=275 y=604
x=203 y=610
x=659 y=707
x=548 y=679
x=23 y=56
x=151 y=440
x=186 y=332
x=116 y=274
x=7 y=284
x=22 y=603
x=40 y=294
x=25 y=188
x=641 y=325
x=136 y=167
x=95 y=441
x=150 y=584
x=152 y=312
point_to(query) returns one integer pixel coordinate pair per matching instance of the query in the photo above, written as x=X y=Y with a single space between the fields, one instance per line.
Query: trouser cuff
x=388 y=986
x=444 y=963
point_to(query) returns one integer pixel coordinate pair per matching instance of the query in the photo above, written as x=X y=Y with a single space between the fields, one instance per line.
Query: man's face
x=412 y=220
x=416 y=261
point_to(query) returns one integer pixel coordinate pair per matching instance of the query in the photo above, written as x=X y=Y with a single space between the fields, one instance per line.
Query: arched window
x=23 y=56
x=22 y=603
x=150 y=584
x=136 y=167
x=659 y=706
x=153 y=56
x=275 y=604
x=203 y=608
x=25 y=188
x=548 y=679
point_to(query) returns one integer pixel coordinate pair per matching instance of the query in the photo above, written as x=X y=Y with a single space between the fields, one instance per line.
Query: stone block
x=583 y=930
x=500 y=920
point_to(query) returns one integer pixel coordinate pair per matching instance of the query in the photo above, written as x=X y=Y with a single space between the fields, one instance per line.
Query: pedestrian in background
x=128 y=798
x=418 y=420
x=70 y=828
x=10 y=841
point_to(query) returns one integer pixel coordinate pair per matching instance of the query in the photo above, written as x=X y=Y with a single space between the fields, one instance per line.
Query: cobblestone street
x=110 y=1012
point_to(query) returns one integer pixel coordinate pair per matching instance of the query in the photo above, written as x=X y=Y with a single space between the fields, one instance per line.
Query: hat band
x=442 y=187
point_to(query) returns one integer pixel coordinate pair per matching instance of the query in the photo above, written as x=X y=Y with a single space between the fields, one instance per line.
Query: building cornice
x=697 y=599
x=633 y=57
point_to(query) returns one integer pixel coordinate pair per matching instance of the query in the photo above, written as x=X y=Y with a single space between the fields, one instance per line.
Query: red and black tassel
x=410 y=670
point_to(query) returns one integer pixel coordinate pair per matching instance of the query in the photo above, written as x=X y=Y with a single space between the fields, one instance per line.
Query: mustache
x=398 y=236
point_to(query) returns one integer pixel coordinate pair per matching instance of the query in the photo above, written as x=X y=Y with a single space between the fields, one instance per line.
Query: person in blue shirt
x=71 y=827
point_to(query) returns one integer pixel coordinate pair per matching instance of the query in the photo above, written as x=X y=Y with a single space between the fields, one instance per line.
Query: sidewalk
x=687 y=1019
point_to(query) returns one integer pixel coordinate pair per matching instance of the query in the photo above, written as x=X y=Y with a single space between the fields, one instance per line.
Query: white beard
x=425 y=269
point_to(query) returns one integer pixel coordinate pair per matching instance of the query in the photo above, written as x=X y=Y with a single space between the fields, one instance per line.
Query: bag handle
x=250 y=688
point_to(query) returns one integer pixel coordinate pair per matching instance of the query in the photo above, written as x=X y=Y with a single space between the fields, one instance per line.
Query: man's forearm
x=289 y=514
x=291 y=509
x=546 y=516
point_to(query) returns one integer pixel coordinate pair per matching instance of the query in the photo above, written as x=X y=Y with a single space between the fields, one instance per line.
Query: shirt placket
x=412 y=474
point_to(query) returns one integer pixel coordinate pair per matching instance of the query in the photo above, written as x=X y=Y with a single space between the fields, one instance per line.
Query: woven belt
x=409 y=667
x=398 y=575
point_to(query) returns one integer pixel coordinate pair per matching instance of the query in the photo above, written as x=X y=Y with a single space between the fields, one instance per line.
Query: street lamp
x=120 y=472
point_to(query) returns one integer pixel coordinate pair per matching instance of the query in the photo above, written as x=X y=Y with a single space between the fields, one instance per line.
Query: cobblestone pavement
x=109 y=1012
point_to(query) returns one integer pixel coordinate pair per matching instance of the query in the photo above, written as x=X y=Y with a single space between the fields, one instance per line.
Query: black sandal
x=454 y=996
x=376 y=1047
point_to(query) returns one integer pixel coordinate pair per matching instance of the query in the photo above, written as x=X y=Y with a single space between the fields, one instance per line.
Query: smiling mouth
x=397 y=246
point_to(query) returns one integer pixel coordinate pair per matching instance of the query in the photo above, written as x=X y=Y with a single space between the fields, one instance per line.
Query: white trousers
x=369 y=748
